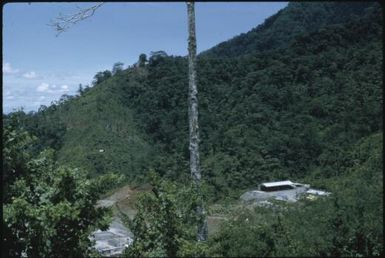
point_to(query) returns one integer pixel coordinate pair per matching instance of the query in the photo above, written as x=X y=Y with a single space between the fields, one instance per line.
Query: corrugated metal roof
x=270 y=184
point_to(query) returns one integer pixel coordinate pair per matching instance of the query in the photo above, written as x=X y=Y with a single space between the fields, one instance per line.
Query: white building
x=282 y=190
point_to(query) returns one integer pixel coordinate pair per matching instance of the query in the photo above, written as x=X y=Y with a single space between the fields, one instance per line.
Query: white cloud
x=43 y=87
x=7 y=69
x=41 y=98
x=10 y=97
x=64 y=87
x=52 y=88
x=30 y=75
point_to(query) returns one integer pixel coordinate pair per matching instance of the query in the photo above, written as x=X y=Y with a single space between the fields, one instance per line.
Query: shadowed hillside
x=281 y=29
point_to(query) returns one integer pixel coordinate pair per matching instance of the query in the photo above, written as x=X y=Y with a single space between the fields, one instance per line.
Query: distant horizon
x=39 y=67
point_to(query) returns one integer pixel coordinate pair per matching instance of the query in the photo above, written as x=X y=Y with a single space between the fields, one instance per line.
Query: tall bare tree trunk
x=193 y=122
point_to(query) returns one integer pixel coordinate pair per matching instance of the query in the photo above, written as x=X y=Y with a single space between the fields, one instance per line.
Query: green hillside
x=270 y=116
x=297 y=98
x=95 y=131
x=285 y=100
x=348 y=223
x=101 y=134
x=281 y=29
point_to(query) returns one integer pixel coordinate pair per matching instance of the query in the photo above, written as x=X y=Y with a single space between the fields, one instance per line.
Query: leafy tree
x=101 y=77
x=81 y=89
x=156 y=57
x=17 y=151
x=117 y=68
x=50 y=211
x=142 y=60
x=164 y=225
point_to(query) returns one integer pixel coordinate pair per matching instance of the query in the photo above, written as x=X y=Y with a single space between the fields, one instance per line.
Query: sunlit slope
x=101 y=134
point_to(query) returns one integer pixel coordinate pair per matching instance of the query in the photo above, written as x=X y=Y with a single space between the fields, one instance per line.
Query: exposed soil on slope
x=125 y=197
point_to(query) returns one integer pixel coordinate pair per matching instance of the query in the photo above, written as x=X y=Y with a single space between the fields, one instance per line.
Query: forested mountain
x=284 y=100
x=94 y=130
x=298 y=97
x=281 y=29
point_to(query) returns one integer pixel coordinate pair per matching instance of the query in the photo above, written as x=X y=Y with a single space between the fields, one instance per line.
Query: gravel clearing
x=117 y=237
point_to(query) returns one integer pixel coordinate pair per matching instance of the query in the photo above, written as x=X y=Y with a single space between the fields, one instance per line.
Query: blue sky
x=39 y=67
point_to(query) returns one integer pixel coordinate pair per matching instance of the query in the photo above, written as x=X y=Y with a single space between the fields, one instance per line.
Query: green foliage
x=297 y=98
x=247 y=234
x=142 y=60
x=290 y=98
x=268 y=116
x=281 y=29
x=81 y=89
x=165 y=224
x=102 y=76
x=17 y=151
x=347 y=223
x=96 y=132
x=117 y=68
x=50 y=210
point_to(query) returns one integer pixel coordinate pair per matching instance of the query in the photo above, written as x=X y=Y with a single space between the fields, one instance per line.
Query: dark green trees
x=117 y=68
x=80 y=89
x=156 y=57
x=48 y=211
x=263 y=115
x=349 y=222
x=142 y=60
x=165 y=225
x=101 y=76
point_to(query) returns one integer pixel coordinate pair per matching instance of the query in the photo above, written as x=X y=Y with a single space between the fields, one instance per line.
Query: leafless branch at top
x=64 y=22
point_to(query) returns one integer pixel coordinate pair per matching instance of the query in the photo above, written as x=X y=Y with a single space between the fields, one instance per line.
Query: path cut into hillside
x=117 y=237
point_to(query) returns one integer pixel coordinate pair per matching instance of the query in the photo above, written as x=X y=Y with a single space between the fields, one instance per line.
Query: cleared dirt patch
x=124 y=199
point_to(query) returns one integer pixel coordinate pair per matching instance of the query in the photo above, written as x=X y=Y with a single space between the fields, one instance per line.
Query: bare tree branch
x=63 y=22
